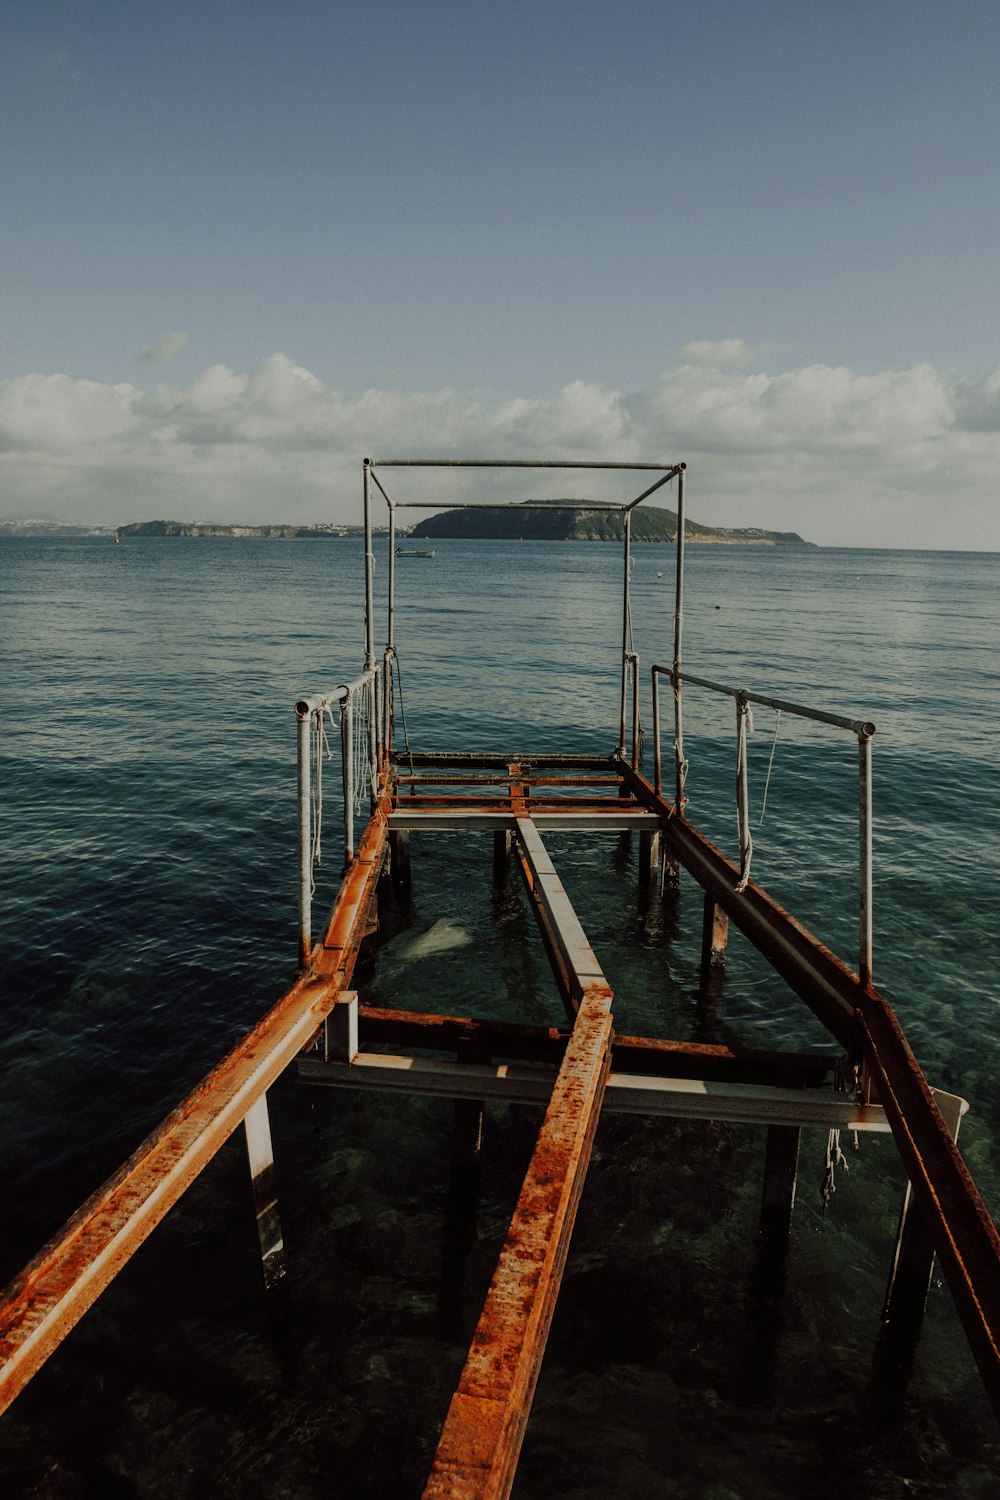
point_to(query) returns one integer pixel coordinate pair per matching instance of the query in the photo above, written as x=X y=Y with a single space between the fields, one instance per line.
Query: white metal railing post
x=304 y=738
x=742 y=788
x=626 y=615
x=347 y=757
x=865 y=938
x=678 y=643
x=657 y=764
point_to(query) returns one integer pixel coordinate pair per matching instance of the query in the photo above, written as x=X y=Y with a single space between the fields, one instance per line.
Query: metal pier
x=575 y=1070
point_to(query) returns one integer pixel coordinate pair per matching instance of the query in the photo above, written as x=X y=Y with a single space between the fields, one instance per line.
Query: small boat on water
x=412 y=552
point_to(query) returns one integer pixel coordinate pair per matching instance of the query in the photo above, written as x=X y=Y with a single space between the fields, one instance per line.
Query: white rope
x=321 y=752
x=834 y=1158
x=770 y=763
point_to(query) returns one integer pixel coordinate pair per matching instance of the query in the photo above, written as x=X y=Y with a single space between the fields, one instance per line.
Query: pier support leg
x=909 y=1284
x=781 y=1165
x=340 y=1030
x=265 y=1195
x=467 y=1120
x=714 y=936
x=501 y=854
x=399 y=853
x=649 y=859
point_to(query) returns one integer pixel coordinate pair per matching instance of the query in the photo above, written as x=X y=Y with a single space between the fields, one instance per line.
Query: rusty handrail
x=862 y=729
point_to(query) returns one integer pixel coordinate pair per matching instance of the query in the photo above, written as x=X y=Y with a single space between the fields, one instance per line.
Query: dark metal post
x=780 y=1173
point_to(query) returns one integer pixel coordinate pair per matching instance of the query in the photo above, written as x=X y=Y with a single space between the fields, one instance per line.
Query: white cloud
x=163 y=349
x=896 y=458
x=719 y=353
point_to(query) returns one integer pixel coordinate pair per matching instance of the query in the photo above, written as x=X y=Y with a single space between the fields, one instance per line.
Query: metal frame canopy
x=630 y=661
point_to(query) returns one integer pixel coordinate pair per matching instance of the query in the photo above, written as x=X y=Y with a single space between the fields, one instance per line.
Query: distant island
x=589 y=521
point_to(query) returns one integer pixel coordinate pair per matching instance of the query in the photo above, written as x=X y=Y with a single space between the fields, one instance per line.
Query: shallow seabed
x=147 y=898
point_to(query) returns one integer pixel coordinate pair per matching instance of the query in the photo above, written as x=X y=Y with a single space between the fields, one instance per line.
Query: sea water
x=147 y=904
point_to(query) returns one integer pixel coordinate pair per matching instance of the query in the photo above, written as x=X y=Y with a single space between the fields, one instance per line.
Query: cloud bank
x=900 y=458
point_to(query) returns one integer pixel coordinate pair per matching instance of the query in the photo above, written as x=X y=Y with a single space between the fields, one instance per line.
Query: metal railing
x=311 y=714
x=862 y=729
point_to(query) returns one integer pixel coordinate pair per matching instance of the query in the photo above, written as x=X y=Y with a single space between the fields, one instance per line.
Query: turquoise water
x=147 y=894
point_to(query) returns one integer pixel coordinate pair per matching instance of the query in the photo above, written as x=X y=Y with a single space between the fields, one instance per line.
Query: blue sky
x=244 y=243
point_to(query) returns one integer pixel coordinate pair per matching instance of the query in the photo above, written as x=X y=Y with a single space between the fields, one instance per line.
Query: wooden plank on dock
x=560 y=926
x=483 y=1431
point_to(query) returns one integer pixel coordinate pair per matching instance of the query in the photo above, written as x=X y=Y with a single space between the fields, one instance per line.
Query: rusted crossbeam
x=483 y=1431
x=381 y=1026
x=42 y=1304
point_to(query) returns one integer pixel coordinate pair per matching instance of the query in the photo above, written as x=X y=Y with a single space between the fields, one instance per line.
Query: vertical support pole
x=678 y=644
x=370 y=612
x=634 y=658
x=657 y=763
x=742 y=788
x=714 y=936
x=865 y=939
x=340 y=1029
x=347 y=757
x=399 y=850
x=303 y=729
x=501 y=853
x=781 y=1165
x=626 y=615
x=390 y=626
x=649 y=858
x=387 y=703
x=265 y=1196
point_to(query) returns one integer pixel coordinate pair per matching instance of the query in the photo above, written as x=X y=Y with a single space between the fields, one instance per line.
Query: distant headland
x=589 y=521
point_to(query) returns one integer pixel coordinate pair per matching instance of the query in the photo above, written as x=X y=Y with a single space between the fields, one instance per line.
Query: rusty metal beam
x=483 y=1431
x=42 y=1304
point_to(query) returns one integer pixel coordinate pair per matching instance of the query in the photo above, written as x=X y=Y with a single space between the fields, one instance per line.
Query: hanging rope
x=402 y=707
x=321 y=750
x=363 y=773
x=770 y=763
x=834 y=1158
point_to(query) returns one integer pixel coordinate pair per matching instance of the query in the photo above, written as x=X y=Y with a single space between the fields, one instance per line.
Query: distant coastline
x=583 y=521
